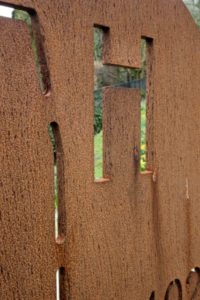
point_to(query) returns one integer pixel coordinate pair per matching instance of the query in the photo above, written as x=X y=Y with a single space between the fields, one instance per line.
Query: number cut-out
x=193 y=284
x=174 y=290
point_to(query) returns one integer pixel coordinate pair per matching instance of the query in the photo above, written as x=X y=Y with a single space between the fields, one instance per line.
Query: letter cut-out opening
x=117 y=76
x=29 y=17
x=58 y=174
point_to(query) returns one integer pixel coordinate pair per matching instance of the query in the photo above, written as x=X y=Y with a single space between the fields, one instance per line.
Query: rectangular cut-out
x=147 y=102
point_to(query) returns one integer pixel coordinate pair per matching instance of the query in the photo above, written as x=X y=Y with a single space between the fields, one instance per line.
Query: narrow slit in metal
x=58 y=173
x=61 y=291
x=146 y=140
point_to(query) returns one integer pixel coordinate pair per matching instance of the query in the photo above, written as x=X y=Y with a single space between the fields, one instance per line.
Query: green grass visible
x=98 y=152
x=143 y=137
x=98 y=147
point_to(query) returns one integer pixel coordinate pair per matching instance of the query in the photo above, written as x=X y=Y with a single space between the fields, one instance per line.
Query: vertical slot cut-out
x=29 y=17
x=146 y=117
x=152 y=297
x=58 y=173
x=98 y=95
x=117 y=76
x=143 y=112
x=61 y=291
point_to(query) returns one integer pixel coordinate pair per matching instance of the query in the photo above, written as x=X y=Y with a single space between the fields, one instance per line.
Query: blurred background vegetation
x=194 y=8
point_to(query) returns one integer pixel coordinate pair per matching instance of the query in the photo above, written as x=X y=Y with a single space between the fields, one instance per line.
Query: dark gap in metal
x=58 y=172
x=62 y=288
x=152 y=297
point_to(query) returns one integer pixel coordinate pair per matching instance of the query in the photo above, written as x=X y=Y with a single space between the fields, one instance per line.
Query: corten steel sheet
x=135 y=236
x=28 y=260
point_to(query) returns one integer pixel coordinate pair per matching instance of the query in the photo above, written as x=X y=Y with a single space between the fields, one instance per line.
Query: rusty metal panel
x=28 y=257
x=133 y=236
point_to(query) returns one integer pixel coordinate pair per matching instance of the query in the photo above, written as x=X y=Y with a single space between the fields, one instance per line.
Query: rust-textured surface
x=26 y=209
x=135 y=236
